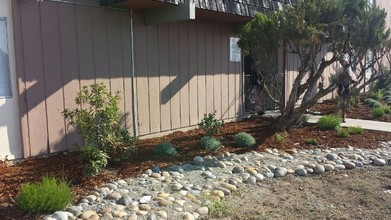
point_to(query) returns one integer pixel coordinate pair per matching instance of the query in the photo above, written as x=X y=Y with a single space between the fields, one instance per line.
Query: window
x=5 y=85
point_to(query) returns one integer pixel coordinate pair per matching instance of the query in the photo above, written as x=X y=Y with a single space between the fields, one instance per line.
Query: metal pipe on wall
x=134 y=103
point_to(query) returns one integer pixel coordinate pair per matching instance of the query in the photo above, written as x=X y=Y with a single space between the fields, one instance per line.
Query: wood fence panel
x=210 y=108
x=35 y=78
x=224 y=72
x=193 y=80
x=53 y=77
x=184 y=73
x=217 y=70
x=153 y=74
x=164 y=72
x=201 y=61
x=174 y=75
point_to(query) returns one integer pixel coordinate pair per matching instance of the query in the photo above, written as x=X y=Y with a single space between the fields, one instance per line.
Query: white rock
x=379 y=162
x=319 y=169
x=202 y=210
x=60 y=215
x=198 y=159
x=301 y=172
x=328 y=167
x=280 y=172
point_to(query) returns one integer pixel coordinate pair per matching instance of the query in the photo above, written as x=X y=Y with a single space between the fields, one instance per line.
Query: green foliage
x=355 y=130
x=98 y=120
x=372 y=102
x=304 y=119
x=312 y=141
x=217 y=207
x=165 y=149
x=244 y=139
x=329 y=122
x=47 y=196
x=279 y=137
x=378 y=112
x=354 y=100
x=94 y=159
x=377 y=95
x=210 y=143
x=341 y=132
x=387 y=109
x=210 y=125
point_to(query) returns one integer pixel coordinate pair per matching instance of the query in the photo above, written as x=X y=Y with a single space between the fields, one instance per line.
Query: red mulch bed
x=66 y=166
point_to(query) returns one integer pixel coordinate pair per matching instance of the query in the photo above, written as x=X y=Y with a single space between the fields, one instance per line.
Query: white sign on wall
x=235 y=54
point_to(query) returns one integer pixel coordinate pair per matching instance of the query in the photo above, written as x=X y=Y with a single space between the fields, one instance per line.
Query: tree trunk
x=287 y=121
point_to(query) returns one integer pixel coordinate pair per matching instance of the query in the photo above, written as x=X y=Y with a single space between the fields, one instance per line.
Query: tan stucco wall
x=10 y=144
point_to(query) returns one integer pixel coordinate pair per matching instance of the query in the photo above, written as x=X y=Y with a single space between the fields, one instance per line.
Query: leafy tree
x=310 y=29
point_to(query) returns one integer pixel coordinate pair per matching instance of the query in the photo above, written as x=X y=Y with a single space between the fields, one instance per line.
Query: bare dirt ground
x=355 y=194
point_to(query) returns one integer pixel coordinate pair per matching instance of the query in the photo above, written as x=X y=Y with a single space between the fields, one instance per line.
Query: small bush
x=94 y=160
x=372 y=102
x=387 y=93
x=378 y=95
x=210 y=125
x=165 y=149
x=378 y=112
x=217 y=207
x=304 y=119
x=387 y=109
x=312 y=141
x=329 y=122
x=355 y=130
x=244 y=139
x=377 y=105
x=44 y=197
x=341 y=132
x=279 y=137
x=210 y=143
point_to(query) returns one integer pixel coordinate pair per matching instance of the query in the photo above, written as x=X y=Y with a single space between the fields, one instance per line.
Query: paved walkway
x=366 y=124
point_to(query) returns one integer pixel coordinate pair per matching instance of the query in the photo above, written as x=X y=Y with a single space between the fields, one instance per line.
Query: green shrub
x=210 y=125
x=387 y=109
x=372 y=102
x=355 y=130
x=329 y=122
x=387 y=93
x=377 y=105
x=378 y=112
x=165 y=149
x=378 y=95
x=304 y=119
x=210 y=143
x=44 y=197
x=279 y=137
x=341 y=132
x=312 y=141
x=94 y=159
x=98 y=120
x=244 y=139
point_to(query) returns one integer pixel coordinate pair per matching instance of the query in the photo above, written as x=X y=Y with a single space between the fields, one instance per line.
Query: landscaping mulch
x=66 y=165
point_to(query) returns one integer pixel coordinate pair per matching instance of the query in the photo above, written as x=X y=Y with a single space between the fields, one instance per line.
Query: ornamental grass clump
x=209 y=143
x=341 y=132
x=165 y=149
x=279 y=137
x=312 y=141
x=378 y=112
x=355 y=130
x=329 y=122
x=244 y=139
x=46 y=196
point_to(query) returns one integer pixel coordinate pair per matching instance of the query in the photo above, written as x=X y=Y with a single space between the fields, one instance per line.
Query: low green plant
x=372 y=102
x=377 y=95
x=279 y=137
x=377 y=105
x=329 y=122
x=312 y=141
x=341 y=132
x=209 y=143
x=244 y=139
x=98 y=120
x=355 y=130
x=387 y=109
x=378 y=112
x=217 y=207
x=210 y=125
x=165 y=149
x=94 y=159
x=46 y=196
x=304 y=119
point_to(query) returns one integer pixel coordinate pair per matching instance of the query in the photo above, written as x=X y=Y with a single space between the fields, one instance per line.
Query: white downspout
x=134 y=103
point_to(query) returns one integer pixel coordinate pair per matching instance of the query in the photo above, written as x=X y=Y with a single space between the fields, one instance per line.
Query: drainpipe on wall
x=134 y=103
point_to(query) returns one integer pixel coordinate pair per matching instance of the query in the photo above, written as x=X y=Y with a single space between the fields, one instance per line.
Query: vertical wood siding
x=60 y=48
x=183 y=72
